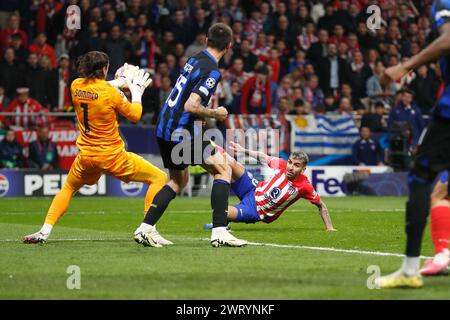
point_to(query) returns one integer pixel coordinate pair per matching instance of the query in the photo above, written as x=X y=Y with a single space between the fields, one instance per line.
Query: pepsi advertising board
x=14 y=183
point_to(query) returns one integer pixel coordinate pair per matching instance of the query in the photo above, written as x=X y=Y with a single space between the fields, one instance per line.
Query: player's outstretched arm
x=260 y=156
x=193 y=105
x=325 y=214
x=435 y=50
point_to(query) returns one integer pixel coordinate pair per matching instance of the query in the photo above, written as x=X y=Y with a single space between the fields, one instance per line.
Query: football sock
x=153 y=189
x=219 y=202
x=417 y=209
x=46 y=228
x=217 y=232
x=440 y=228
x=159 y=205
x=411 y=265
x=59 y=205
x=145 y=227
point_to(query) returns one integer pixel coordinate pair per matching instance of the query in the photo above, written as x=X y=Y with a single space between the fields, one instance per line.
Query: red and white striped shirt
x=278 y=193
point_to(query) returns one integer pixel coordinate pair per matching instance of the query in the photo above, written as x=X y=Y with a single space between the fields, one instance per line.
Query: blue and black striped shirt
x=200 y=75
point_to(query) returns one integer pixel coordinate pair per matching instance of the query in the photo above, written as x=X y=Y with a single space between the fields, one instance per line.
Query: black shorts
x=179 y=155
x=434 y=148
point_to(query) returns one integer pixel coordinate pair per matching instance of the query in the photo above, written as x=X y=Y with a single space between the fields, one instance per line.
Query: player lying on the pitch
x=440 y=229
x=102 y=150
x=267 y=200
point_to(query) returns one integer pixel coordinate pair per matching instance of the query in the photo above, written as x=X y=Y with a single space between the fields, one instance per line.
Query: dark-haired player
x=433 y=154
x=102 y=150
x=177 y=127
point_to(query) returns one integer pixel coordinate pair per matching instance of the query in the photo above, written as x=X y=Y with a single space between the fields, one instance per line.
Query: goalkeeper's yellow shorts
x=125 y=166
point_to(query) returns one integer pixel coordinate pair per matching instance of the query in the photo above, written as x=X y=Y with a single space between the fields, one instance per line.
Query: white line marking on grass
x=289 y=246
x=259 y=244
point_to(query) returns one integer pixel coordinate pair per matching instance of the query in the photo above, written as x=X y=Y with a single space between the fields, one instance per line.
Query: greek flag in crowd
x=324 y=135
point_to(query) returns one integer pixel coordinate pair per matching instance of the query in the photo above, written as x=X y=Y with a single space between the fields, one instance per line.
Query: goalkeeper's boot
x=399 y=279
x=432 y=268
x=151 y=238
x=224 y=238
x=37 y=237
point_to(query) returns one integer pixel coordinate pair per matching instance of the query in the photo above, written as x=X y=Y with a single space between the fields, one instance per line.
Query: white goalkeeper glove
x=141 y=80
x=127 y=71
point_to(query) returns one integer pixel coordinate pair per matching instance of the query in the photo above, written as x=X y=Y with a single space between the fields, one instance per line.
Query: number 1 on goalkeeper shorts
x=85 y=117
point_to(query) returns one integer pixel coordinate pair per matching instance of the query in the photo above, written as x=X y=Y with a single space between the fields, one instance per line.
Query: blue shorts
x=444 y=177
x=244 y=188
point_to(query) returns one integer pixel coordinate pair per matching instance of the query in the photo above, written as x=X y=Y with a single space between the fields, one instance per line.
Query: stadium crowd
x=293 y=57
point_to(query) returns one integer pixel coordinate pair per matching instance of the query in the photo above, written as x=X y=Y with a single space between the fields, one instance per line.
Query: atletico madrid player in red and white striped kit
x=267 y=200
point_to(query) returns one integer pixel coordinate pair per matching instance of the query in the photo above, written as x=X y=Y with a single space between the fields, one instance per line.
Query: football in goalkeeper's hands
x=127 y=71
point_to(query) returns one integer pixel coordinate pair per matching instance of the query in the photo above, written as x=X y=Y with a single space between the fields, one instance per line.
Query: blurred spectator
x=375 y=121
x=34 y=78
x=201 y=23
x=328 y=21
x=257 y=93
x=42 y=48
x=311 y=92
x=344 y=107
x=246 y=55
x=374 y=89
x=20 y=52
x=319 y=49
x=43 y=152
x=91 y=41
x=10 y=152
x=13 y=27
x=366 y=151
x=145 y=50
x=307 y=37
x=283 y=107
x=198 y=45
x=427 y=84
x=330 y=103
x=299 y=108
x=180 y=28
x=4 y=100
x=10 y=73
x=118 y=50
x=23 y=105
x=299 y=62
x=58 y=95
x=237 y=73
x=407 y=112
x=358 y=74
x=331 y=71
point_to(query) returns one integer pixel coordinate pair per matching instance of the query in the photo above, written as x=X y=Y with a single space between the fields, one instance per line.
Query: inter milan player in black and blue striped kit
x=181 y=143
x=433 y=153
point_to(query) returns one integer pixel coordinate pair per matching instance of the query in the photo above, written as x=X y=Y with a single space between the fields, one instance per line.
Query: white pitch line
x=259 y=244
x=289 y=246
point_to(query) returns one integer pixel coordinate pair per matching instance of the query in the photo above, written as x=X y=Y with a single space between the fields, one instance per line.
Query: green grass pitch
x=96 y=235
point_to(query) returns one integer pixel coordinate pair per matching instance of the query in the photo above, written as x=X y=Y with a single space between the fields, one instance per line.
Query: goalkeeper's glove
x=127 y=71
x=137 y=86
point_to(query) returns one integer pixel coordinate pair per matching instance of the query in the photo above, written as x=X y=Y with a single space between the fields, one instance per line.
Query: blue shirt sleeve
x=207 y=85
x=440 y=12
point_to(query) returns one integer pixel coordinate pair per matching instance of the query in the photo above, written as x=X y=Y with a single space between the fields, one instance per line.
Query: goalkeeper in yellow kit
x=102 y=150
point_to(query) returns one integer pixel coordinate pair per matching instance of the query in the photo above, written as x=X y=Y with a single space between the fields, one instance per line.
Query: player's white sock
x=411 y=266
x=218 y=231
x=145 y=227
x=46 y=229
x=442 y=257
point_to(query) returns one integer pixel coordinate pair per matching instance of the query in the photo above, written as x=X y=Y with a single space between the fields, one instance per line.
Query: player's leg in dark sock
x=219 y=202
x=417 y=209
x=178 y=180
x=159 y=205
